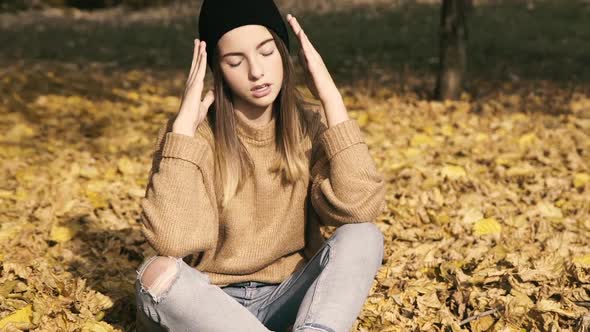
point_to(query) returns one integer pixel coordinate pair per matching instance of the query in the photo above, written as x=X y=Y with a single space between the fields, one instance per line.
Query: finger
x=195 y=54
x=295 y=26
x=306 y=44
x=307 y=54
x=310 y=44
x=289 y=19
x=198 y=78
x=298 y=28
x=303 y=39
x=202 y=64
x=302 y=58
x=193 y=68
x=298 y=31
x=205 y=104
x=196 y=66
x=312 y=55
x=207 y=101
x=199 y=60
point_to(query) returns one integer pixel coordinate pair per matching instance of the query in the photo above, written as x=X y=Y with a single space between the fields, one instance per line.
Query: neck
x=258 y=116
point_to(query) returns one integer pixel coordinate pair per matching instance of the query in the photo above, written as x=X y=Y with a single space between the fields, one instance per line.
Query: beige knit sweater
x=268 y=231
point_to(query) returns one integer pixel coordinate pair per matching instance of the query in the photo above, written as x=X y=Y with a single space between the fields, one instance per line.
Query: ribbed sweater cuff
x=340 y=137
x=184 y=147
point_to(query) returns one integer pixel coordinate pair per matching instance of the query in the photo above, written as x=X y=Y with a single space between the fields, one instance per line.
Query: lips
x=259 y=86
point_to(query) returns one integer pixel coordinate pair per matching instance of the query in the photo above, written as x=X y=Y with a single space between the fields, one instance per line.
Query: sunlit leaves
x=487 y=205
x=461 y=182
x=581 y=179
x=453 y=172
x=487 y=226
x=21 y=318
x=61 y=233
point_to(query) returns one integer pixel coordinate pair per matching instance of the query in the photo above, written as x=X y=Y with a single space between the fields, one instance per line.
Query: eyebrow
x=257 y=47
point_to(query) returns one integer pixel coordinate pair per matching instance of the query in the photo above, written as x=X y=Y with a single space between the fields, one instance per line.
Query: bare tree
x=453 y=52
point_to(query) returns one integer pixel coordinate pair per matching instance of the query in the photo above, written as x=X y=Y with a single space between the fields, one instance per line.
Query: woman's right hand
x=192 y=109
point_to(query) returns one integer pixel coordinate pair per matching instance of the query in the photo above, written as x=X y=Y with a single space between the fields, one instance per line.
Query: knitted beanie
x=220 y=16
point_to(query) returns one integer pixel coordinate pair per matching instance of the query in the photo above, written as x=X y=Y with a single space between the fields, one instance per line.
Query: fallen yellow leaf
x=22 y=315
x=527 y=140
x=64 y=233
x=453 y=172
x=549 y=210
x=421 y=139
x=93 y=326
x=583 y=261
x=581 y=179
x=487 y=226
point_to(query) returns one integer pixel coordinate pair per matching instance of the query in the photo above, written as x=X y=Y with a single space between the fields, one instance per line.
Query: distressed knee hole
x=159 y=275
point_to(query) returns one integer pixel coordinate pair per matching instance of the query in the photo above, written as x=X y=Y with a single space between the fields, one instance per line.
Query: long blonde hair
x=232 y=161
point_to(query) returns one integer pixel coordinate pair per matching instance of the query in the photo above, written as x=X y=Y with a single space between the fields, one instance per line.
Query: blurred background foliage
x=18 y=5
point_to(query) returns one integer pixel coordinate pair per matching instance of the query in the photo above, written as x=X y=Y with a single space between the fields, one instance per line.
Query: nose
x=256 y=70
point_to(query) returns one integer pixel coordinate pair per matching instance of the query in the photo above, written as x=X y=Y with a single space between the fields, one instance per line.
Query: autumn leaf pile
x=488 y=214
x=487 y=225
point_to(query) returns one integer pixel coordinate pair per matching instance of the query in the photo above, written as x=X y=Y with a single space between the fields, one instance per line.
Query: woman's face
x=249 y=57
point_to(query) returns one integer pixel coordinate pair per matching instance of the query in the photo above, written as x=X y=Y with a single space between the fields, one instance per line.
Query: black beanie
x=220 y=16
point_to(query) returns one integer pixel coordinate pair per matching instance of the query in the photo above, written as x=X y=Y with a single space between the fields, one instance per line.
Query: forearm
x=335 y=110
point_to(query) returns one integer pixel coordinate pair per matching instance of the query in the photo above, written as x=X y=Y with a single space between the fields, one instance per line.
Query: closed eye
x=237 y=64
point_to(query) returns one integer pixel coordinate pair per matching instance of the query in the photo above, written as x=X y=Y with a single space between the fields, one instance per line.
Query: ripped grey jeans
x=326 y=294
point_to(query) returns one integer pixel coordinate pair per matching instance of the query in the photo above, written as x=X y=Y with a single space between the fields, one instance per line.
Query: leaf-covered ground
x=487 y=225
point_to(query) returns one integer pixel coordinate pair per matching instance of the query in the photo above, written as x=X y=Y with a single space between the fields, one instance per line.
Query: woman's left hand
x=317 y=77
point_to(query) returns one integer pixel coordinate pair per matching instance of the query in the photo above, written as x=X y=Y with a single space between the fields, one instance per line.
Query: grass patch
x=506 y=41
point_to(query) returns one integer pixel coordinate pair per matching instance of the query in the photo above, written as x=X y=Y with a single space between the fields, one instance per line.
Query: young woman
x=241 y=182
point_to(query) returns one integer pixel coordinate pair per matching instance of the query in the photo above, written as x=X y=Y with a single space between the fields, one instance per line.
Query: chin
x=265 y=101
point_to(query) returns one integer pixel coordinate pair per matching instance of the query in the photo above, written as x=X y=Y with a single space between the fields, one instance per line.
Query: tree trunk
x=453 y=53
